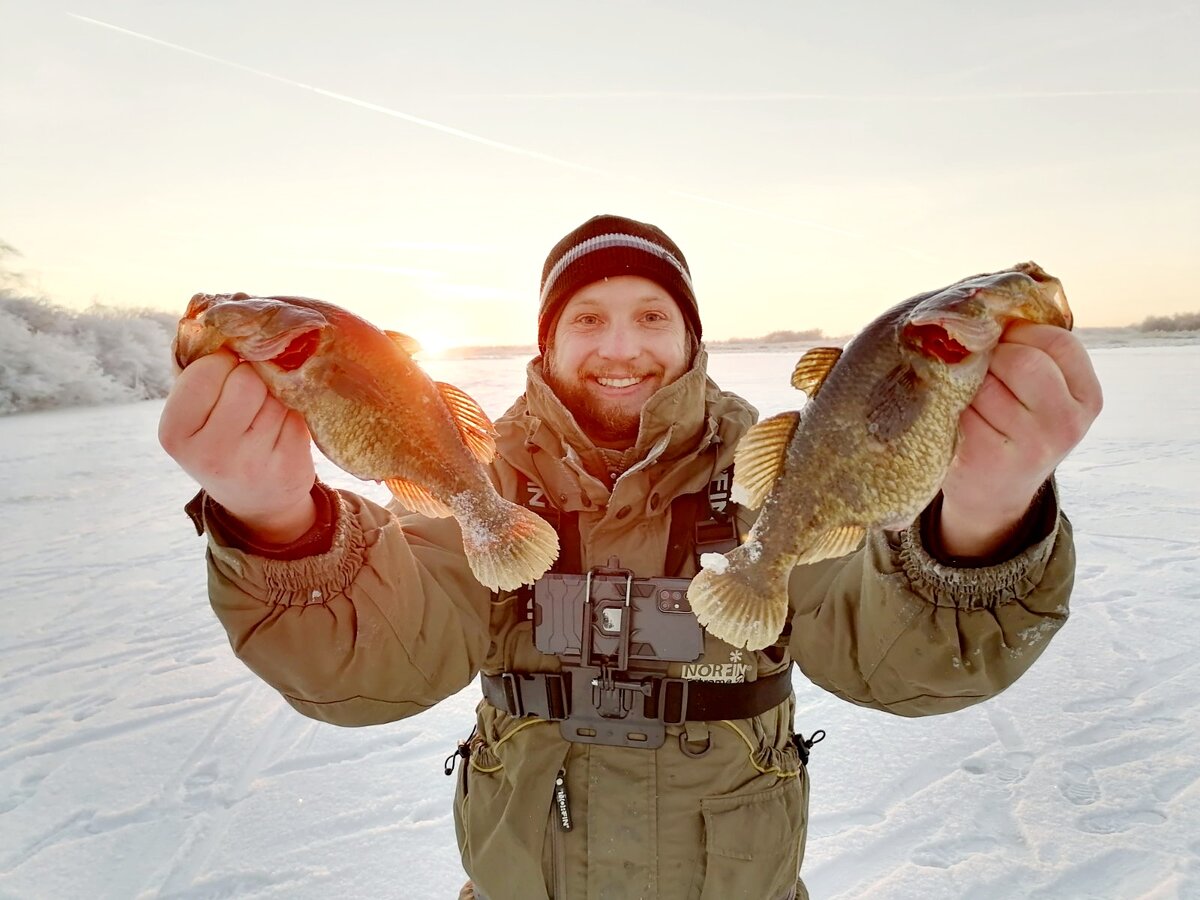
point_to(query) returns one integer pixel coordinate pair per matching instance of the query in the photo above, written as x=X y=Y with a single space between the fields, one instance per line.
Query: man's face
x=616 y=342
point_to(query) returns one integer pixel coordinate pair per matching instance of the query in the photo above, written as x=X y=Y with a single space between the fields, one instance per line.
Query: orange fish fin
x=813 y=368
x=408 y=344
x=350 y=380
x=833 y=543
x=740 y=601
x=476 y=428
x=416 y=498
x=894 y=403
x=515 y=547
x=759 y=458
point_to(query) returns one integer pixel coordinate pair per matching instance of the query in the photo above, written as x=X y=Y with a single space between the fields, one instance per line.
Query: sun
x=434 y=343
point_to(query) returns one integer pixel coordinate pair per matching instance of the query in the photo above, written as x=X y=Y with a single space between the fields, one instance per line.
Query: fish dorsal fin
x=833 y=543
x=759 y=458
x=813 y=368
x=416 y=498
x=894 y=403
x=408 y=344
x=476 y=428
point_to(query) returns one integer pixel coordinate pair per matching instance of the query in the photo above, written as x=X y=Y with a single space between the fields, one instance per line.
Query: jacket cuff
x=206 y=514
x=982 y=583
x=313 y=578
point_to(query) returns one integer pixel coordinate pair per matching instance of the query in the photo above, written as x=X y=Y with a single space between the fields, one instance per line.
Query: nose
x=619 y=341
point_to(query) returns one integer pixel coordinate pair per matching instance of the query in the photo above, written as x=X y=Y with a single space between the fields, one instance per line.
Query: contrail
x=479 y=139
x=374 y=107
x=792 y=96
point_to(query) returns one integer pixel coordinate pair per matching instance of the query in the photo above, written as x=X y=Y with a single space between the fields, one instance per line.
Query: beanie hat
x=608 y=246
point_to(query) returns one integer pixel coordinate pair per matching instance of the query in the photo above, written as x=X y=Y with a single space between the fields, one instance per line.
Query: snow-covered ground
x=138 y=758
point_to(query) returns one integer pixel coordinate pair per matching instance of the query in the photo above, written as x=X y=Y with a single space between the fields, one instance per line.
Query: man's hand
x=1040 y=397
x=247 y=450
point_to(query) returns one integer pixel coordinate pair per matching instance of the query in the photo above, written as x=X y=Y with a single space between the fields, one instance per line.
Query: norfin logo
x=537 y=497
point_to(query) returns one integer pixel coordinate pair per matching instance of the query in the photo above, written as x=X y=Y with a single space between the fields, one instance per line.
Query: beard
x=604 y=423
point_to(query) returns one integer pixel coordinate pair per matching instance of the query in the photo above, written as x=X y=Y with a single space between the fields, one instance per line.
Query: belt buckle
x=667 y=687
x=513 y=694
x=542 y=694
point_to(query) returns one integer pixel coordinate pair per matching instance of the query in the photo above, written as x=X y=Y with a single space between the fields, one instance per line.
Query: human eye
x=587 y=319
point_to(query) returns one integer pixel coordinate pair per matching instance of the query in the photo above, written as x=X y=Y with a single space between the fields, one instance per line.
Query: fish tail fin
x=739 y=600
x=509 y=546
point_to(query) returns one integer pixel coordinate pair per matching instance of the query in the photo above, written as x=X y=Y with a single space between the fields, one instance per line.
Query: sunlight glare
x=433 y=343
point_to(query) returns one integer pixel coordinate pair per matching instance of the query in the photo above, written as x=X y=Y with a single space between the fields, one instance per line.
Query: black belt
x=547 y=695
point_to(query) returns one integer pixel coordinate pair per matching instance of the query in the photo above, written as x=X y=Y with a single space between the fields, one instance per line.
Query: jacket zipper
x=560 y=815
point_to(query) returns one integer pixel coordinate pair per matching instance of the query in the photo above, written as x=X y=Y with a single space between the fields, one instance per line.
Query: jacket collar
x=687 y=421
x=672 y=422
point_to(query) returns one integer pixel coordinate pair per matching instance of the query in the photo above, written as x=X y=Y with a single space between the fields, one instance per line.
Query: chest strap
x=702 y=522
x=672 y=701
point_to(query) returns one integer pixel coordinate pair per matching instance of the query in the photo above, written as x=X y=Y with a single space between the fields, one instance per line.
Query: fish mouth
x=1050 y=294
x=186 y=347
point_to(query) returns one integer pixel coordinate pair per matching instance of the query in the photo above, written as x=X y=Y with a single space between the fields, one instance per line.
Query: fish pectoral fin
x=895 y=403
x=833 y=543
x=759 y=458
x=409 y=345
x=350 y=380
x=476 y=429
x=416 y=498
x=813 y=368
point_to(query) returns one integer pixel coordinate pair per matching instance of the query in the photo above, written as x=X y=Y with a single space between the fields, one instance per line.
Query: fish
x=871 y=446
x=373 y=412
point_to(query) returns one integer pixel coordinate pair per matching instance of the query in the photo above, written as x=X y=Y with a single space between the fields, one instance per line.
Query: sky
x=415 y=162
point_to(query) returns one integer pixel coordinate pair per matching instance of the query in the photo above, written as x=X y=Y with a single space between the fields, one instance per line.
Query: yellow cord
x=509 y=734
x=774 y=770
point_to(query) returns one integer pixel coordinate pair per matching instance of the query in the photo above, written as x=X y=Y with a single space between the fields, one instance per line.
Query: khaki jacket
x=390 y=621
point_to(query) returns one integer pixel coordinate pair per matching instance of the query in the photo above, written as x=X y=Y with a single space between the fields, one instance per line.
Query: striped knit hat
x=607 y=246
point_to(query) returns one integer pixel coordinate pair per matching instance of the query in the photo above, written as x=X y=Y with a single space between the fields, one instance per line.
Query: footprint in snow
x=1117 y=821
x=1078 y=784
x=1010 y=768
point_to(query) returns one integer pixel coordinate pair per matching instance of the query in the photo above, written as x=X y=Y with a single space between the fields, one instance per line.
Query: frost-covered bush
x=1177 y=322
x=52 y=357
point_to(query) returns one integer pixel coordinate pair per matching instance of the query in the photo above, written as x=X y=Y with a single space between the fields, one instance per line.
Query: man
x=677 y=773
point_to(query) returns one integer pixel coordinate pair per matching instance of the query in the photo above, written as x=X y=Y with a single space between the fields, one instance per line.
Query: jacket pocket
x=753 y=842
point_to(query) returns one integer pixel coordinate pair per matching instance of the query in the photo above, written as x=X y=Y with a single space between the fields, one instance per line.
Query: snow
x=138 y=758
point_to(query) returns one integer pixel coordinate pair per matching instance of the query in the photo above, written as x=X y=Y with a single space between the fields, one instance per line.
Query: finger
x=1032 y=377
x=1035 y=378
x=1068 y=353
x=975 y=431
x=264 y=427
x=193 y=396
x=293 y=431
x=242 y=396
x=1001 y=408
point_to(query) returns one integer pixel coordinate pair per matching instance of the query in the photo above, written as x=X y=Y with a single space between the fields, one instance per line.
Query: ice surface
x=139 y=758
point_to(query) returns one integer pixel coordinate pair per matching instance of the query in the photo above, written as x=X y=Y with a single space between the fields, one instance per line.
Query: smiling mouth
x=618 y=382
